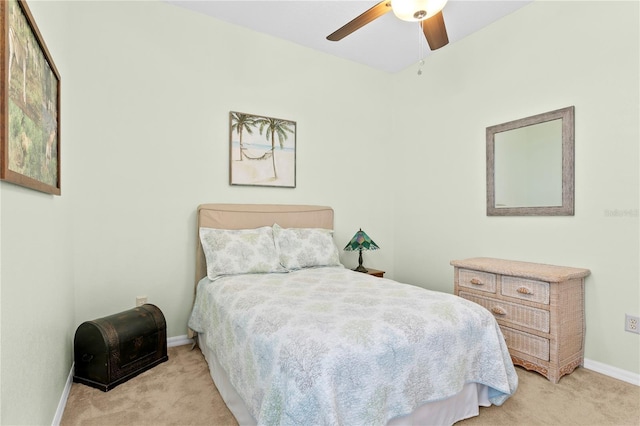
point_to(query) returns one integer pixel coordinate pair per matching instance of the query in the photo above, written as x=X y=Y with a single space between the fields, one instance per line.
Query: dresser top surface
x=538 y=271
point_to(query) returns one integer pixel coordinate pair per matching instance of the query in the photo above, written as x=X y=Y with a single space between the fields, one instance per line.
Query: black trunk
x=111 y=350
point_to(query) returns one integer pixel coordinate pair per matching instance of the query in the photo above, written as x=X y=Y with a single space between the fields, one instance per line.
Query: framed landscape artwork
x=262 y=151
x=30 y=111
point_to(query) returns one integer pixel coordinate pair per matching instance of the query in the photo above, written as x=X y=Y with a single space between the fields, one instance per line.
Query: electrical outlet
x=141 y=300
x=631 y=324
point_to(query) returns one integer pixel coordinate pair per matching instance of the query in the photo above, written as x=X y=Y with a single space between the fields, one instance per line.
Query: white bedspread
x=330 y=346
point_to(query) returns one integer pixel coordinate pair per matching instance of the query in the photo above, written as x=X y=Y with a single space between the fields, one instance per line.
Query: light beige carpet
x=181 y=392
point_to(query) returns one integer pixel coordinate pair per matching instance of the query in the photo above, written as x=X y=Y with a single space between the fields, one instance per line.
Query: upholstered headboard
x=248 y=216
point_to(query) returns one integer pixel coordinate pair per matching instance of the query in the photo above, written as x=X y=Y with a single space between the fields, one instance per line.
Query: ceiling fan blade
x=435 y=31
x=375 y=12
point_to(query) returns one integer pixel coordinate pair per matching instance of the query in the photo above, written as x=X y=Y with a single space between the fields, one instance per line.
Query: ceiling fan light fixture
x=416 y=10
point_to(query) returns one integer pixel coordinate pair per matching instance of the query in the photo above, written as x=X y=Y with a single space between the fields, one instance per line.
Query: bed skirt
x=461 y=406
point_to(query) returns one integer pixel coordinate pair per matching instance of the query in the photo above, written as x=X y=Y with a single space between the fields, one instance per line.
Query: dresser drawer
x=511 y=313
x=476 y=280
x=525 y=289
x=539 y=307
x=526 y=343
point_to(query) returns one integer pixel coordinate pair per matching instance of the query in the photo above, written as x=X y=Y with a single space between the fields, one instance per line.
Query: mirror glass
x=530 y=165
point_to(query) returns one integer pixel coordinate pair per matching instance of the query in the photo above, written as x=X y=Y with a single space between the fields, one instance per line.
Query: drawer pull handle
x=498 y=310
x=476 y=281
x=524 y=290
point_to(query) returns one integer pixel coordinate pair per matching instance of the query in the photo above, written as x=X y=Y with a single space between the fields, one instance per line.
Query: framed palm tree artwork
x=30 y=111
x=262 y=150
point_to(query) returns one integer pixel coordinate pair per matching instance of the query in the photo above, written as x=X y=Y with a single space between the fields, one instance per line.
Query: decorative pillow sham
x=243 y=251
x=305 y=247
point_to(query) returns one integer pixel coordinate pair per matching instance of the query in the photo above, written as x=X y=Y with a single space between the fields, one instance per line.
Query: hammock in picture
x=264 y=156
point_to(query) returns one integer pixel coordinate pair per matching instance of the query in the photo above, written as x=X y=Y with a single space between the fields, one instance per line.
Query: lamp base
x=361 y=268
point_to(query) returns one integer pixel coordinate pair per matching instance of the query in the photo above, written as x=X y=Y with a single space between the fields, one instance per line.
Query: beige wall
x=152 y=86
x=556 y=54
x=37 y=301
x=147 y=88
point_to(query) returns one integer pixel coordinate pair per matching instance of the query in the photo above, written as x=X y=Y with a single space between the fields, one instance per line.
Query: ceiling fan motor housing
x=427 y=12
x=416 y=10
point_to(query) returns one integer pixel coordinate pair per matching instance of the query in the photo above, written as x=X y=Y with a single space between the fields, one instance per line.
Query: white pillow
x=305 y=247
x=244 y=251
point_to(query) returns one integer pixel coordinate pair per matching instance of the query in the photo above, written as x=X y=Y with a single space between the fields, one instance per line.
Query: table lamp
x=360 y=242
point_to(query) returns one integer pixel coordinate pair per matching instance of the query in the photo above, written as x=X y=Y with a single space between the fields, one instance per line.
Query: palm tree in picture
x=273 y=127
x=240 y=123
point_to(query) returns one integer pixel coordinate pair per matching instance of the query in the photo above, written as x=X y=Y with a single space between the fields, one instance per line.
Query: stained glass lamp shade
x=360 y=242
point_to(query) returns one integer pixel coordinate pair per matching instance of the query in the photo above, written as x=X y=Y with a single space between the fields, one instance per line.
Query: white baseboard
x=63 y=399
x=179 y=341
x=171 y=341
x=615 y=372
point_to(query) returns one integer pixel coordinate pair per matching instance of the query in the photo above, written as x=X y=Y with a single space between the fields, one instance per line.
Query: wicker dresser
x=540 y=309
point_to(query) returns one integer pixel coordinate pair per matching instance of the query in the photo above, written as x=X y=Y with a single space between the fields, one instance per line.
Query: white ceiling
x=387 y=44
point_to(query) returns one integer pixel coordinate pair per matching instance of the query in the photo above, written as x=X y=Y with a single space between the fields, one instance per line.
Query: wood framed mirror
x=530 y=165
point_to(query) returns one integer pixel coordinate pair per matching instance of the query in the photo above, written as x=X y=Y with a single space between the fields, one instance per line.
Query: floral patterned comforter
x=329 y=346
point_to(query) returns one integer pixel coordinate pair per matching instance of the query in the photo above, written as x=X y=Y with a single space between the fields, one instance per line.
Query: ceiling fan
x=427 y=12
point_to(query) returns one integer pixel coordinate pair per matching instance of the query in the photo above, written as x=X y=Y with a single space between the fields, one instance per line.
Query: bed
x=303 y=340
